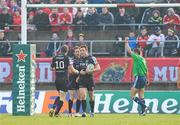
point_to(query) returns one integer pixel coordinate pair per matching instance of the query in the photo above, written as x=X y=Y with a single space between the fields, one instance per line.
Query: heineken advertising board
x=113 y=101
x=24 y=78
x=167 y=102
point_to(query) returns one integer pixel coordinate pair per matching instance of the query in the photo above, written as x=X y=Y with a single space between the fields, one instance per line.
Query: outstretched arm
x=127 y=46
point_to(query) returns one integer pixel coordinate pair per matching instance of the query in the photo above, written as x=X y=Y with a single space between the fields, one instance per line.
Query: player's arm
x=53 y=64
x=72 y=69
x=178 y=81
x=127 y=46
x=148 y=79
x=97 y=67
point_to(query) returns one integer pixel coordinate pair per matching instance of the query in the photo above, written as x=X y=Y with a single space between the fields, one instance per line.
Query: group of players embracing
x=76 y=77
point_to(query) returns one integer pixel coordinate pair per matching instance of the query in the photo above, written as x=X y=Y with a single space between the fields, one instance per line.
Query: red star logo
x=21 y=56
x=33 y=56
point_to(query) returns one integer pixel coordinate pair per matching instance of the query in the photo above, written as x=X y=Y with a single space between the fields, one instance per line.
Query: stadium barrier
x=113 y=70
x=164 y=102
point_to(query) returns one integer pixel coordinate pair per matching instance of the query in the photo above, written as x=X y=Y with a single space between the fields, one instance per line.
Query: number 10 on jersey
x=59 y=64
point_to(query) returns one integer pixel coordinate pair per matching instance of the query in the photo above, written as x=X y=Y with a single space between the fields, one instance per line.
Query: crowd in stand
x=43 y=18
x=64 y=19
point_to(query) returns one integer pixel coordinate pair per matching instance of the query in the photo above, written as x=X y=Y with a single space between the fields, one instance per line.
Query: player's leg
x=142 y=82
x=144 y=108
x=83 y=98
x=56 y=103
x=91 y=96
x=91 y=102
x=78 y=102
x=71 y=98
x=61 y=86
x=62 y=96
x=135 y=89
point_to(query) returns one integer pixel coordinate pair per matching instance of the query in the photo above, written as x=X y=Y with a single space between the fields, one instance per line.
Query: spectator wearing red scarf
x=65 y=19
x=142 y=39
x=171 y=19
x=54 y=20
x=17 y=21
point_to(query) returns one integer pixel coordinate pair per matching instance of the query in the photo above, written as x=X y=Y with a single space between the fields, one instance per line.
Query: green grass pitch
x=99 y=119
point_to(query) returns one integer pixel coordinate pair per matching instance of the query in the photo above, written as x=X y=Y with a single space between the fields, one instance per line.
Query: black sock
x=59 y=107
x=70 y=103
x=143 y=101
x=84 y=105
x=78 y=103
x=92 y=106
x=137 y=100
x=56 y=102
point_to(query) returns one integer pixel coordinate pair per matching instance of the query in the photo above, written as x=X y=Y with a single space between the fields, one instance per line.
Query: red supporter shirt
x=17 y=21
x=142 y=41
x=67 y=19
x=54 y=21
x=175 y=20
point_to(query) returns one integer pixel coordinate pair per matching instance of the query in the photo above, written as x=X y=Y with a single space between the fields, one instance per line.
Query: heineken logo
x=21 y=90
x=21 y=56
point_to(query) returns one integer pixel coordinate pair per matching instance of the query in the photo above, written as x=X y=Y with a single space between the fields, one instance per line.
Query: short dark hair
x=84 y=46
x=76 y=47
x=137 y=50
x=64 y=49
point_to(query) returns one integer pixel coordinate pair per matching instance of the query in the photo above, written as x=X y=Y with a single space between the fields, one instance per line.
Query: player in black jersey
x=86 y=82
x=61 y=64
x=74 y=87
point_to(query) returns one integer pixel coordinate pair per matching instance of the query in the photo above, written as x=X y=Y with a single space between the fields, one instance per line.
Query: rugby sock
x=137 y=100
x=70 y=103
x=78 y=103
x=84 y=105
x=92 y=106
x=56 y=102
x=143 y=101
x=59 y=107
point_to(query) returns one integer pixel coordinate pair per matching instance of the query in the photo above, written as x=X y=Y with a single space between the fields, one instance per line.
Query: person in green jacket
x=140 y=73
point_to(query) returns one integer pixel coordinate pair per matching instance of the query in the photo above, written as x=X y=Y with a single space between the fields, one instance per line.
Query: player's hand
x=77 y=79
x=88 y=71
x=76 y=71
x=148 y=83
x=53 y=69
x=178 y=84
x=82 y=72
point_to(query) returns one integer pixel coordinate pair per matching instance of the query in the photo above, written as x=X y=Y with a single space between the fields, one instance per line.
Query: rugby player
x=60 y=64
x=74 y=87
x=86 y=82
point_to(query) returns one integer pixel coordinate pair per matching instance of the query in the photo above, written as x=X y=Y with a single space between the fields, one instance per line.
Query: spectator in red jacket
x=171 y=19
x=65 y=19
x=17 y=21
x=142 y=39
x=54 y=20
